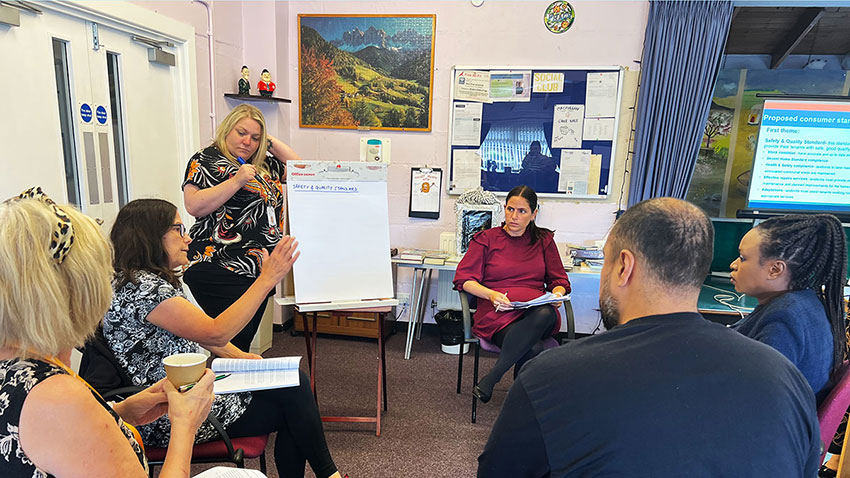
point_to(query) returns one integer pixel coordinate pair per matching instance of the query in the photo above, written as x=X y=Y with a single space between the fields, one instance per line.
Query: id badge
x=271 y=217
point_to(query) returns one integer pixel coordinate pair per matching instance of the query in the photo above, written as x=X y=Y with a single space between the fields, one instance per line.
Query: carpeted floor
x=426 y=431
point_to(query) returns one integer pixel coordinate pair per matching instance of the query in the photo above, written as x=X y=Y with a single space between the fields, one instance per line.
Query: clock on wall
x=559 y=16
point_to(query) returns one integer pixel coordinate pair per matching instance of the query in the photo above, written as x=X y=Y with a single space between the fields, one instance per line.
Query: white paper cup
x=184 y=368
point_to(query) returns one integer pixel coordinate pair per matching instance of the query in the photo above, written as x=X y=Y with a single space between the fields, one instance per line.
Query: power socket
x=403 y=299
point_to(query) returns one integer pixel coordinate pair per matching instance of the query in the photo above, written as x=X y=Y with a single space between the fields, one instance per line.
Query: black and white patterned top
x=233 y=235
x=17 y=379
x=139 y=346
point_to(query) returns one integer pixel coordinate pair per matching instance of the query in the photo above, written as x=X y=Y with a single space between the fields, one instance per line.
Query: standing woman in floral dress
x=233 y=188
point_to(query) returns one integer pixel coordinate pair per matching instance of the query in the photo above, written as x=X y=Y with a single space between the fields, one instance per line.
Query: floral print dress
x=17 y=379
x=139 y=346
x=233 y=235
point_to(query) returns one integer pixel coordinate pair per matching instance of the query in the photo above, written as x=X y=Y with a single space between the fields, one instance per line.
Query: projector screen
x=802 y=160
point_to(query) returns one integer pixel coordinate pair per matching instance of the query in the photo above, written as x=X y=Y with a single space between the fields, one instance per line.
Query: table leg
x=424 y=305
x=414 y=312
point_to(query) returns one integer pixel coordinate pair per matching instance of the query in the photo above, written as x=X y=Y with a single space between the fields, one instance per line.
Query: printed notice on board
x=466 y=169
x=472 y=85
x=598 y=129
x=601 y=95
x=510 y=85
x=594 y=173
x=466 y=127
x=567 y=126
x=548 y=83
x=575 y=166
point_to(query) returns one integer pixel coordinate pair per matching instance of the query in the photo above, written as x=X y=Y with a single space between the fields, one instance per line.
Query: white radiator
x=447 y=297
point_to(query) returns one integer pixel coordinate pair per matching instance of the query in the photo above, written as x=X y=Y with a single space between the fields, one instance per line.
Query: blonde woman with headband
x=55 y=272
x=233 y=188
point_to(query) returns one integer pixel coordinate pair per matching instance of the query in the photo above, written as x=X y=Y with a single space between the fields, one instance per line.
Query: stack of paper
x=547 y=298
x=435 y=258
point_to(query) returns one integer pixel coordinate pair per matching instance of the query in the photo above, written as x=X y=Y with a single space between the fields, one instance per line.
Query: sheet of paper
x=466 y=123
x=466 y=172
x=472 y=85
x=347 y=196
x=598 y=129
x=510 y=85
x=593 y=174
x=575 y=166
x=425 y=191
x=601 y=95
x=548 y=82
x=567 y=126
x=226 y=472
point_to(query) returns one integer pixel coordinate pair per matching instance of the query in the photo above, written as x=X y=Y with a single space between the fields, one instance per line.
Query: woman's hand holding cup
x=190 y=409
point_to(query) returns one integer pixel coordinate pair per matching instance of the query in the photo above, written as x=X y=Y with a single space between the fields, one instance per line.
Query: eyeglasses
x=180 y=228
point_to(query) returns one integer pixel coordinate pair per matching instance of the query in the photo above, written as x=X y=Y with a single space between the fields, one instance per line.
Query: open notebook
x=247 y=374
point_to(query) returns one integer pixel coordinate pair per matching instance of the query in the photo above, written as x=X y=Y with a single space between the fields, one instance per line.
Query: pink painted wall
x=499 y=33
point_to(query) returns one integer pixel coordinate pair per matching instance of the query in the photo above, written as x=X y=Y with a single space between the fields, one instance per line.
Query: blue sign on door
x=100 y=113
x=85 y=113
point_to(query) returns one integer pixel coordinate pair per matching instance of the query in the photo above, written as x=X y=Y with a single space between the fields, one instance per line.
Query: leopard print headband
x=63 y=231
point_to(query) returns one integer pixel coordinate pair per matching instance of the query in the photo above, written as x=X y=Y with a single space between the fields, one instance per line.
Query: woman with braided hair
x=794 y=266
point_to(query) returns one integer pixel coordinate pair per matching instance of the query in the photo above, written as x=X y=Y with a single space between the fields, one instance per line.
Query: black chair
x=470 y=338
x=100 y=368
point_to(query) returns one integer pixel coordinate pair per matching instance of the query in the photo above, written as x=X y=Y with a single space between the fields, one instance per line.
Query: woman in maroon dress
x=515 y=262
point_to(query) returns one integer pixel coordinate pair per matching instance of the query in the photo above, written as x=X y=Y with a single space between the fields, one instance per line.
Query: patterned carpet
x=425 y=433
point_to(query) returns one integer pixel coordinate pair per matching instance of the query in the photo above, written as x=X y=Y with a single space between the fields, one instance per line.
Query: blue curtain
x=682 y=52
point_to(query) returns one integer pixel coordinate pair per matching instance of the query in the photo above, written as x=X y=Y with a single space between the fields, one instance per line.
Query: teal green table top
x=718 y=296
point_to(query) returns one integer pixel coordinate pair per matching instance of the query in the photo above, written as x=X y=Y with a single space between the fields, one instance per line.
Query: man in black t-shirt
x=663 y=392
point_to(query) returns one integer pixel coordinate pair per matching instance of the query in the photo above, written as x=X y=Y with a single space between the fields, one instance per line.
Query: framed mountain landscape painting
x=366 y=71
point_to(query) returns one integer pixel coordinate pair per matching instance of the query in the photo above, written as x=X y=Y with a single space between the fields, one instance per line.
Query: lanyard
x=55 y=361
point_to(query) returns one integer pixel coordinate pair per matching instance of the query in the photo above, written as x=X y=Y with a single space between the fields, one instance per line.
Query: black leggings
x=520 y=341
x=293 y=414
x=216 y=289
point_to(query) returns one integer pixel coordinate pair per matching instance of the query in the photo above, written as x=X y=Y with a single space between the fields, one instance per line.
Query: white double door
x=86 y=115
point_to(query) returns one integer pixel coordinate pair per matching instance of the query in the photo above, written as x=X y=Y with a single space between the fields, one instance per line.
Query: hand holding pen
x=188 y=386
x=246 y=173
x=500 y=301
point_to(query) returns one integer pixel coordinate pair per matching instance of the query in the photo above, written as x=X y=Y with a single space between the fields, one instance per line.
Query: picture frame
x=366 y=72
x=472 y=218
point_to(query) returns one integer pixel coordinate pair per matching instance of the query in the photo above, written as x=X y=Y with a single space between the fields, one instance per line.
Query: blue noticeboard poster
x=100 y=114
x=551 y=128
x=85 y=113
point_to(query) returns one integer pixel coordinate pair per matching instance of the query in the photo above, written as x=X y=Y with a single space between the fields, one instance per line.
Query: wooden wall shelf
x=269 y=99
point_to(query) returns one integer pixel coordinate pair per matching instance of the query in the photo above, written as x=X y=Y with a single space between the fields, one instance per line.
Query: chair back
x=467 y=305
x=834 y=406
x=99 y=367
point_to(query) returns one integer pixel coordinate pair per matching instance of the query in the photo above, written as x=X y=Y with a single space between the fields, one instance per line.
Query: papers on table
x=547 y=298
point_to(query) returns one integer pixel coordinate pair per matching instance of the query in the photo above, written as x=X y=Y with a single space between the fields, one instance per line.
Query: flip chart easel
x=339 y=214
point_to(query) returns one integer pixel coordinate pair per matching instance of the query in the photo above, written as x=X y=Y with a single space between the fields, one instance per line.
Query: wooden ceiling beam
x=807 y=20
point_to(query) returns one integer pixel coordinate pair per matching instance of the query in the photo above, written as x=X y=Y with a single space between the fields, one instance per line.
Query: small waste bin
x=450 y=323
